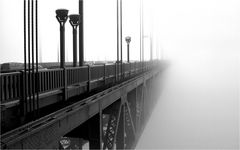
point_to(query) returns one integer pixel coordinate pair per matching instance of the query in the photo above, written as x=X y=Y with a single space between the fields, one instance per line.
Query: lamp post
x=62 y=16
x=128 y=40
x=74 y=21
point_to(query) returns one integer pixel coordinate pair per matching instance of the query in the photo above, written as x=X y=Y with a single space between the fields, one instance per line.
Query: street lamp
x=74 y=21
x=128 y=40
x=62 y=16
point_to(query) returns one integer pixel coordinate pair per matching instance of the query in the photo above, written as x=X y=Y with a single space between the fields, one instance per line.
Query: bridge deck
x=46 y=131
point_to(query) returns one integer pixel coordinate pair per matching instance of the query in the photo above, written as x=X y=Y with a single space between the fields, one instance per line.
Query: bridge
x=112 y=116
x=77 y=104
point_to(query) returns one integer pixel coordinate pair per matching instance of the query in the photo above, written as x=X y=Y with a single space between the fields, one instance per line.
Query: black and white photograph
x=120 y=74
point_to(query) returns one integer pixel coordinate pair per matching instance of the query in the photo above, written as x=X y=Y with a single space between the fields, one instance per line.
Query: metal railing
x=50 y=80
x=10 y=85
x=77 y=75
x=97 y=72
x=53 y=79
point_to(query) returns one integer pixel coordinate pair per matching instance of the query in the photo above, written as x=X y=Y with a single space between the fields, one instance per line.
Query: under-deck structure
x=110 y=118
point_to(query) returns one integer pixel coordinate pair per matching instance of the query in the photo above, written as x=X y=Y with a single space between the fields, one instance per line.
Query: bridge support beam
x=120 y=141
x=132 y=102
x=111 y=119
x=110 y=124
x=138 y=108
x=94 y=132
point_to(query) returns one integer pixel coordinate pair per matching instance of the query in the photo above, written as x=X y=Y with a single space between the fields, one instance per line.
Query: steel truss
x=111 y=119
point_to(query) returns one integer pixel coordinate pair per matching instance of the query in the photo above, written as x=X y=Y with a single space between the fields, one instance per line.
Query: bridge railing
x=77 y=75
x=110 y=70
x=10 y=85
x=53 y=79
x=50 y=80
x=96 y=72
x=126 y=68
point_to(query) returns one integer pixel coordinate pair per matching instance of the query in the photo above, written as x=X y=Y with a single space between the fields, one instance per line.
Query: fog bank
x=199 y=105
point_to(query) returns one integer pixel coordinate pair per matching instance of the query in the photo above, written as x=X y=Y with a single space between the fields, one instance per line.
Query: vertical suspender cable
x=140 y=30
x=33 y=71
x=24 y=93
x=141 y=34
x=151 y=47
x=121 y=37
x=117 y=40
x=81 y=34
x=36 y=29
x=29 y=59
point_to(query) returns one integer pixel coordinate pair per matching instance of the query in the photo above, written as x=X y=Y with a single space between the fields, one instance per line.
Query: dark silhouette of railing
x=90 y=90
x=10 y=86
x=77 y=75
x=53 y=79
x=50 y=80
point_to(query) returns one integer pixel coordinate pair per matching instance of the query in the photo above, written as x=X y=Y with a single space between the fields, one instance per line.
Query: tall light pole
x=128 y=40
x=62 y=16
x=74 y=21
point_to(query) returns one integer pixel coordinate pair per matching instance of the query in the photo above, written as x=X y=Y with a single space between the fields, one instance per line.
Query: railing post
x=116 y=72
x=65 y=92
x=130 y=69
x=89 y=79
x=23 y=105
x=104 y=78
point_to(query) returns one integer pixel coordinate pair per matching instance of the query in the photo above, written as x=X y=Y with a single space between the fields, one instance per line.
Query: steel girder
x=46 y=131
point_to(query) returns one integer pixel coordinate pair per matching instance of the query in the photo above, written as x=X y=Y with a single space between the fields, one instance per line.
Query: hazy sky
x=195 y=26
x=200 y=37
x=199 y=106
x=178 y=26
x=100 y=29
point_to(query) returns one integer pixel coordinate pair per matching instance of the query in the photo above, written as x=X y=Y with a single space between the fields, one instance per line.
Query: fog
x=198 y=107
x=199 y=103
x=100 y=25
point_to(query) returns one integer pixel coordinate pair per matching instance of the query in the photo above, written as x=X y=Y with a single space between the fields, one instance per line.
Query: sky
x=177 y=27
x=191 y=26
x=199 y=105
x=100 y=30
x=200 y=38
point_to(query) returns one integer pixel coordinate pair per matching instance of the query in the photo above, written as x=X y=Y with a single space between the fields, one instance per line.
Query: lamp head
x=128 y=39
x=74 y=19
x=62 y=15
